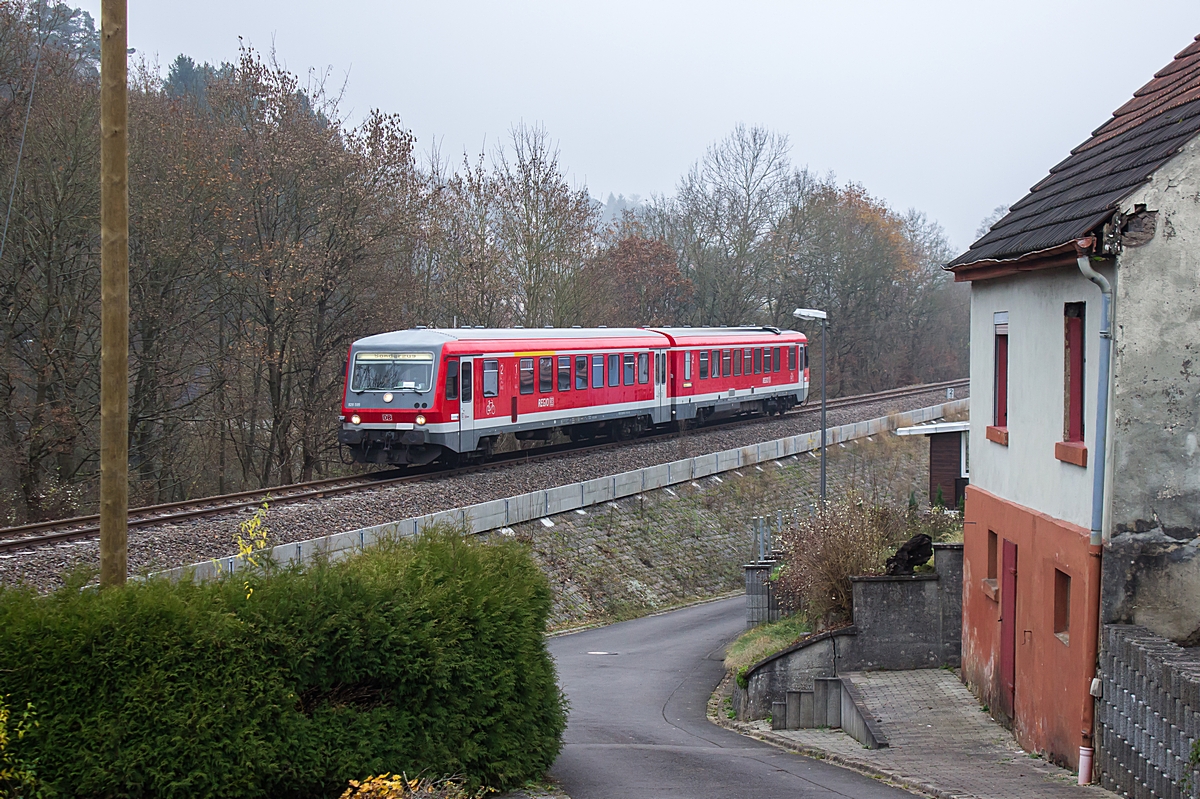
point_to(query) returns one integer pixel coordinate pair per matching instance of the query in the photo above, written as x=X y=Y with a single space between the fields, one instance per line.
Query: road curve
x=638 y=725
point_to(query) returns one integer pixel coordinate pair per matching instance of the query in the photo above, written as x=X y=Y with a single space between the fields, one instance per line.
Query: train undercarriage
x=413 y=447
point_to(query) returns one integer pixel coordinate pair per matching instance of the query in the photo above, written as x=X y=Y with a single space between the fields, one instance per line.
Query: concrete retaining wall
x=501 y=513
x=907 y=622
x=1148 y=715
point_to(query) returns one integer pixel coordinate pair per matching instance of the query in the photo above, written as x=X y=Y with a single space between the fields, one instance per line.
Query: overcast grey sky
x=949 y=107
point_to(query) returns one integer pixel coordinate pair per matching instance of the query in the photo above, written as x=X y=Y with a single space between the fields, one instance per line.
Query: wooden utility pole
x=114 y=293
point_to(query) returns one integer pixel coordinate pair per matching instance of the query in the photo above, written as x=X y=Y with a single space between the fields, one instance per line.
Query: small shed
x=948 y=460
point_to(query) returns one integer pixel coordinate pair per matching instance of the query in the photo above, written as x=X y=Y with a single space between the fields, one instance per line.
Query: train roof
x=696 y=336
x=634 y=336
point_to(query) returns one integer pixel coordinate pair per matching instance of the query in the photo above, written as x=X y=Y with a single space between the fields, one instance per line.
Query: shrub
x=424 y=656
x=848 y=538
x=843 y=539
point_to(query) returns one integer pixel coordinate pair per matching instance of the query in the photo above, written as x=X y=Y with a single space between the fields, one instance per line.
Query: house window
x=1073 y=372
x=491 y=378
x=526 y=376
x=581 y=370
x=614 y=370
x=451 y=380
x=564 y=373
x=1062 y=606
x=704 y=365
x=1000 y=362
x=597 y=371
x=993 y=568
x=687 y=366
x=545 y=374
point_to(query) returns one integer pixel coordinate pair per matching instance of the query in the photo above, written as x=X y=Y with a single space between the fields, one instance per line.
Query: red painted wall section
x=1051 y=705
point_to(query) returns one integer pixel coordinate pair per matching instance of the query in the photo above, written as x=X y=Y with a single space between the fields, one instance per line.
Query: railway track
x=81 y=527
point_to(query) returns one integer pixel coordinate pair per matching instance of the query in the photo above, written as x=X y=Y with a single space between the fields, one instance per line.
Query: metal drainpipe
x=1083 y=250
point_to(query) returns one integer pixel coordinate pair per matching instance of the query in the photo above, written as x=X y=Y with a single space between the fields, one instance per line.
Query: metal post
x=114 y=294
x=824 y=347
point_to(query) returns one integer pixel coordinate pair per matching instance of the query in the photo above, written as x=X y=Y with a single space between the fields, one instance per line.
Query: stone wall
x=901 y=622
x=1147 y=716
x=656 y=549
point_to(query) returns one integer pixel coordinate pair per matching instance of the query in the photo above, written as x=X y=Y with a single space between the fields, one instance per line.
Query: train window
x=545 y=374
x=737 y=363
x=726 y=363
x=467 y=377
x=687 y=366
x=526 y=376
x=803 y=358
x=614 y=370
x=791 y=359
x=757 y=361
x=778 y=361
x=451 y=380
x=644 y=367
x=564 y=373
x=715 y=360
x=629 y=369
x=491 y=378
x=704 y=365
x=597 y=371
x=767 y=360
x=580 y=372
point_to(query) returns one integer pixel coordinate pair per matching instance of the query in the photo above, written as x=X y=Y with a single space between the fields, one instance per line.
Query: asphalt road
x=638 y=727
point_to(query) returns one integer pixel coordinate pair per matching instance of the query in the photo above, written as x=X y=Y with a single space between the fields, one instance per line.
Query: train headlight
x=420 y=418
x=356 y=419
x=387 y=397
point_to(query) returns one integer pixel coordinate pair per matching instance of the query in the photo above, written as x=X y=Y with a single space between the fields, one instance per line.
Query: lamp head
x=810 y=314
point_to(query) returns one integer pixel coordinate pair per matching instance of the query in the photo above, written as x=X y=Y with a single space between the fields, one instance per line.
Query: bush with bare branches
x=847 y=537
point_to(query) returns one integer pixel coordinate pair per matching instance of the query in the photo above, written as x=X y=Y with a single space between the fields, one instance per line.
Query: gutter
x=1083 y=251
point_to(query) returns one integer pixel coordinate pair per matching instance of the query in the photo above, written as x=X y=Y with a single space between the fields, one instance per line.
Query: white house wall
x=1026 y=471
x=1156 y=392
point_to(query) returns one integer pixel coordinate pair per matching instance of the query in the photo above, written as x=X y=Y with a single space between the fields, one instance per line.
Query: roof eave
x=991 y=268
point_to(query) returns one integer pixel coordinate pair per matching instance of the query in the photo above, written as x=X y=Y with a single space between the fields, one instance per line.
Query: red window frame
x=1073 y=363
x=1000 y=398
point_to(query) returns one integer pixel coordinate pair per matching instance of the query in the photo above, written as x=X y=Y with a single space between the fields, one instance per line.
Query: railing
x=502 y=513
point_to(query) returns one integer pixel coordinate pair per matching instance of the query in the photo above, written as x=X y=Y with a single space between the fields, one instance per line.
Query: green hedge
x=422 y=656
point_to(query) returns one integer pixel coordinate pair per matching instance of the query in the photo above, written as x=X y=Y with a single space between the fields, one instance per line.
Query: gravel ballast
x=192 y=541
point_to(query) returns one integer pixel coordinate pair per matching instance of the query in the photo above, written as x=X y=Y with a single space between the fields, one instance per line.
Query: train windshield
x=392 y=371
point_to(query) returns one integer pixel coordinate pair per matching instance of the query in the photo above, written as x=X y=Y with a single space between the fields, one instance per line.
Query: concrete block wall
x=1148 y=715
x=505 y=513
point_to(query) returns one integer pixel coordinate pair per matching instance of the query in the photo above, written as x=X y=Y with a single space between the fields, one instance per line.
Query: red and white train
x=413 y=396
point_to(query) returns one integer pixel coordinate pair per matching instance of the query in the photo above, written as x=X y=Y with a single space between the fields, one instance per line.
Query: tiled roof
x=1082 y=191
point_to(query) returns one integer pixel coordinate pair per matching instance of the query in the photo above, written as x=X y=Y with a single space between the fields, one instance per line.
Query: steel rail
x=79 y=527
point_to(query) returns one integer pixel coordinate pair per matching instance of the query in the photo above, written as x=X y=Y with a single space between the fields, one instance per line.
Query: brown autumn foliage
x=267 y=232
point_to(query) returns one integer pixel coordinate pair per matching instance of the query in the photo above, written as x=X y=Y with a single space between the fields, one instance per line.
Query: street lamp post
x=811 y=315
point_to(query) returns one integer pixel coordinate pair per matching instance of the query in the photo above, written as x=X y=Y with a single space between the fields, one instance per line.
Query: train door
x=662 y=402
x=466 y=406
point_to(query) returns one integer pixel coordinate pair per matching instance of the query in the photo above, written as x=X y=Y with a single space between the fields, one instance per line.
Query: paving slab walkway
x=942 y=743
